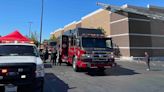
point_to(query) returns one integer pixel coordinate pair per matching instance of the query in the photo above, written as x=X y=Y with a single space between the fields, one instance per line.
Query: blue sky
x=15 y=14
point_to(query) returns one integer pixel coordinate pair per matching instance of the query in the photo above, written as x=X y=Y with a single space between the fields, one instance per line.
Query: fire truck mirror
x=64 y=45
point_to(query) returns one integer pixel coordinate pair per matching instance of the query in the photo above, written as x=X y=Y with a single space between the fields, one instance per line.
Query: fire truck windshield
x=96 y=43
x=52 y=43
x=18 y=50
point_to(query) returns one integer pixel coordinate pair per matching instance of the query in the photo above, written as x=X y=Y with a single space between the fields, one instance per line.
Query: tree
x=52 y=38
x=100 y=28
x=34 y=38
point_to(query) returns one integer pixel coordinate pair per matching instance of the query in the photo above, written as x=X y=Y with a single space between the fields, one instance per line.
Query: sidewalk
x=154 y=63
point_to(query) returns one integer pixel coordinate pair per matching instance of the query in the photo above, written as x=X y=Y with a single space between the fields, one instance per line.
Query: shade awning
x=14 y=36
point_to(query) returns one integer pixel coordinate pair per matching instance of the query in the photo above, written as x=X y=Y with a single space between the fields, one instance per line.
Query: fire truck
x=86 y=49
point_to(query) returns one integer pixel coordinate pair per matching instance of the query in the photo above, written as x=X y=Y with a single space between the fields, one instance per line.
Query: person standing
x=59 y=55
x=147 y=60
x=46 y=54
x=60 y=59
x=53 y=56
x=41 y=54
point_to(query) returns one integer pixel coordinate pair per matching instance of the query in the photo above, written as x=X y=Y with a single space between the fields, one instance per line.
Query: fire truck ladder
x=145 y=11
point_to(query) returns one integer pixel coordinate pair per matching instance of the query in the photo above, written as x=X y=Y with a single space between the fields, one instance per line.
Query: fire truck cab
x=86 y=48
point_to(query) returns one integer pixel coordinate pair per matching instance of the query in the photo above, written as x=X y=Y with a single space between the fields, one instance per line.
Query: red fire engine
x=86 y=48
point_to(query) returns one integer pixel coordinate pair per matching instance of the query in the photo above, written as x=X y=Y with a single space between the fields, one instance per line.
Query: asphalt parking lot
x=126 y=77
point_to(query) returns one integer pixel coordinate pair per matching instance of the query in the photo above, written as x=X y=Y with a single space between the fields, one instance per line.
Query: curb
x=154 y=63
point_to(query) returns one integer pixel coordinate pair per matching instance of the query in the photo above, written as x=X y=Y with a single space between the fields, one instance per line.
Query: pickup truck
x=21 y=68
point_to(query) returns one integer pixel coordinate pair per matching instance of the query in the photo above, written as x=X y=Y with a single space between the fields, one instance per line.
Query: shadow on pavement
x=115 y=71
x=47 y=65
x=54 y=84
x=120 y=71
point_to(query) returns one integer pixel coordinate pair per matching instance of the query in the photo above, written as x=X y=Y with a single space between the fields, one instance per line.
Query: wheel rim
x=74 y=64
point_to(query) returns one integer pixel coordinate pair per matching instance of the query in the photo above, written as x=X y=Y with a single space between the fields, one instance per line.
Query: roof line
x=92 y=13
x=59 y=29
x=156 y=7
x=78 y=22
x=70 y=24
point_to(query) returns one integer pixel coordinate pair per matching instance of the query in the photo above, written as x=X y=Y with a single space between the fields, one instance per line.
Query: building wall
x=158 y=46
x=121 y=45
x=157 y=34
x=146 y=35
x=119 y=28
x=78 y=24
x=157 y=27
x=156 y=8
x=58 y=33
x=70 y=26
x=137 y=52
x=139 y=25
x=97 y=19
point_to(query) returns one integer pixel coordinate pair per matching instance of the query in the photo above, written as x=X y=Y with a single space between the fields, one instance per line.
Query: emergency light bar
x=16 y=41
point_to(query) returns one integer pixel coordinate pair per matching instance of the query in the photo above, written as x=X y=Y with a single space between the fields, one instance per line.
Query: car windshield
x=17 y=50
x=96 y=43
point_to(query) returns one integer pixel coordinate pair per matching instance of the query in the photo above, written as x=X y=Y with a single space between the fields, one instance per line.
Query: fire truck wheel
x=101 y=69
x=75 y=67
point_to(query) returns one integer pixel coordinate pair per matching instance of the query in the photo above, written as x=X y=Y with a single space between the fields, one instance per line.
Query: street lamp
x=30 y=23
x=41 y=22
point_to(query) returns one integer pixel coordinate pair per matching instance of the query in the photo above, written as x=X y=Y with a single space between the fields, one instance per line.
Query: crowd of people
x=50 y=54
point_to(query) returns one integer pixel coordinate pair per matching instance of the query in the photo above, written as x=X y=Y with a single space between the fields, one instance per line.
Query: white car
x=21 y=68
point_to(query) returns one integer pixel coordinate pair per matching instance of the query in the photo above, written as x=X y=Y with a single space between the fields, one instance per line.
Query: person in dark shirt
x=60 y=59
x=46 y=54
x=41 y=54
x=53 y=56
x=147 y=60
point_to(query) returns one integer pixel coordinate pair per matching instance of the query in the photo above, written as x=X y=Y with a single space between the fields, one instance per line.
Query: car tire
x=102 y=69
x=39 y=85
x=2 y=89
x=25 y=88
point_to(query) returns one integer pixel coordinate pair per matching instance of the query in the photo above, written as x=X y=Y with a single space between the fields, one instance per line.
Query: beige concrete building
x=70 y=26
x=57 y=32
x=97 y=19
x=132 y=34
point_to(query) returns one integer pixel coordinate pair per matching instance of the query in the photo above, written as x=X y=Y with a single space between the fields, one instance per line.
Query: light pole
x=30 y=23
x=41 y=21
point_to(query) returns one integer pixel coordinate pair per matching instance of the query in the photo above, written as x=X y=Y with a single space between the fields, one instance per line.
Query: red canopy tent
x=14 y=36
